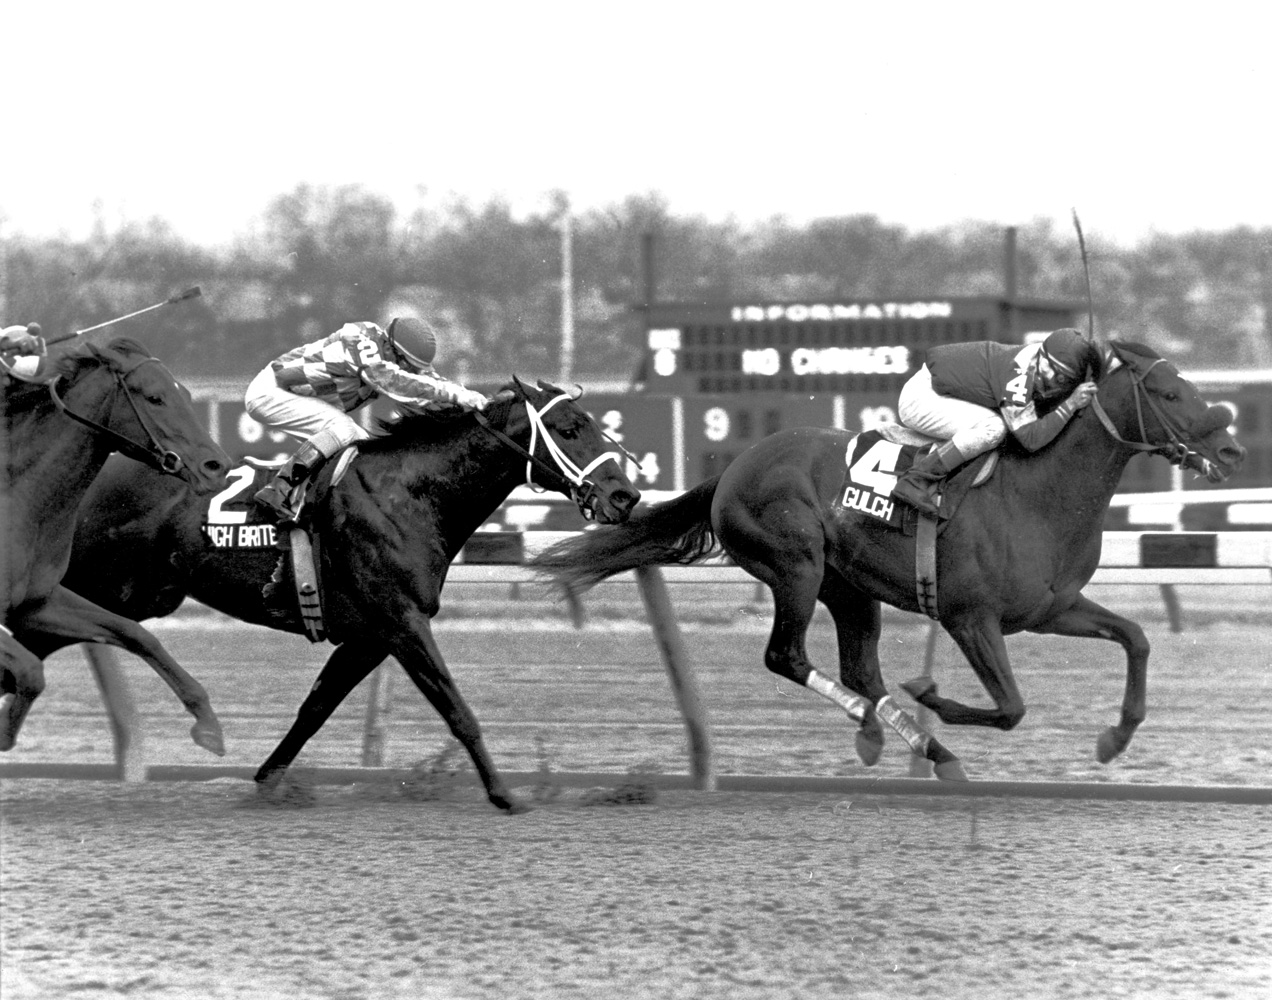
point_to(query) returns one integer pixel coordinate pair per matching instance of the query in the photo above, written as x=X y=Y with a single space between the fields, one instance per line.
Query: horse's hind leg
x=857 y=628
x=67 y=618
x=344 y=670
x=420 y=657
x=1088 y=620
x=22 y=681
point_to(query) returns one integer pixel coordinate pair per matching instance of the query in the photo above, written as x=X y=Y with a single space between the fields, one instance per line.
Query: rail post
x=121 y=711
x=653 y=592
x=379 y=700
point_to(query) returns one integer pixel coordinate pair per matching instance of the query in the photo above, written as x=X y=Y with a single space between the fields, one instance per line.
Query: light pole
x=567 y=296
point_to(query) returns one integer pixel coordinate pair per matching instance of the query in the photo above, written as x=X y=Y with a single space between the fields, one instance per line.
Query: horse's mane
x=439 y=423
x=1117 y=348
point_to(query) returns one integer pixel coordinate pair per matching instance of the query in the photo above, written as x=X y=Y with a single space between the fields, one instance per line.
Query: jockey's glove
x=473 y=399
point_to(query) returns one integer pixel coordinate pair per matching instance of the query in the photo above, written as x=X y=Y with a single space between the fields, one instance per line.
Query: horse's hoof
x=511 y=806
x=869 y=748
x=950 y=770
x=1109 y=745
x=919 y=688
x=286 y=790
x=208 y=735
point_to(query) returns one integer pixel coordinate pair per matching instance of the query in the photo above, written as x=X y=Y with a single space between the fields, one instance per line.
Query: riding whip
x=1086 y=271
x=189 y=293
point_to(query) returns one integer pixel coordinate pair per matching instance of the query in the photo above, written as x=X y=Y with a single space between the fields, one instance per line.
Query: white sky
x=1143 y=116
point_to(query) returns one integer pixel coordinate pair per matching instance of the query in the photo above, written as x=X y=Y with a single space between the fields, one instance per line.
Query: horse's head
x=569 y=453
x=1145 y=403
x=131 y=399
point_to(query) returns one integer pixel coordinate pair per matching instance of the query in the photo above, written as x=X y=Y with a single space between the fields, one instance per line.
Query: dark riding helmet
x=1071 y=355
x=413 y=341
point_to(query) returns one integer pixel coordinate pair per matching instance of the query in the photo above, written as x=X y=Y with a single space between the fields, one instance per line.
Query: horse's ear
x=576 y=392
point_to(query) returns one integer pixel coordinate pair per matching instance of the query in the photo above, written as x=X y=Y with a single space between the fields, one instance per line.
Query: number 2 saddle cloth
x=876 y=458
x=239 y=528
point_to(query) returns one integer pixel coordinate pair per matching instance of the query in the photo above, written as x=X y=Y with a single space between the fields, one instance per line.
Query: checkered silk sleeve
x=347 y=368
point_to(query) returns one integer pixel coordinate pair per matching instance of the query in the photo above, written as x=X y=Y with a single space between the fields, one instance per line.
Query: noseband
x=1176 y=449
x=569 y=477
x=152 y=453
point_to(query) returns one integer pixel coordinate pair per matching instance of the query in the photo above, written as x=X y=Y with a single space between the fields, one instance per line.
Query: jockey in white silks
x=973 y=395
x=310 y=392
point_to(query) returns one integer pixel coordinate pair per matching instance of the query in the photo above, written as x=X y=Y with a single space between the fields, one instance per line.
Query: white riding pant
x=971 y=428
x=307 y=418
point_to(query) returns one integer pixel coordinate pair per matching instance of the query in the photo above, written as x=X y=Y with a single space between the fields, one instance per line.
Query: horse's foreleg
x=1088 y=620
x=66 y=618
x=421 y=658
x=344 y=670
x=21 y=681
x=981 y=641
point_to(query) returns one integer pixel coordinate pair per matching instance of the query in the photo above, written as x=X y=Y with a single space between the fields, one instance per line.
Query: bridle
x=152 y=453
x=1176 y=449
x=567 y=476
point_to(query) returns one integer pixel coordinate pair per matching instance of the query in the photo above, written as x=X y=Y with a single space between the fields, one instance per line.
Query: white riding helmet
x=413 y=341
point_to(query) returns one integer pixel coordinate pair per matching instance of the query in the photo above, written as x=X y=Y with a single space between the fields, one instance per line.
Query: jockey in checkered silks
x=310 y=392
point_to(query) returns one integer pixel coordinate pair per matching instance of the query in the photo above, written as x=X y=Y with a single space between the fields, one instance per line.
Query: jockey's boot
x=278 y=493
x=917 y=486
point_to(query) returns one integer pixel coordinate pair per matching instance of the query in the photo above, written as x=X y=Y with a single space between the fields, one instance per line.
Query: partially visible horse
x=1014 y=556
x=384 y=536
x=56 y=436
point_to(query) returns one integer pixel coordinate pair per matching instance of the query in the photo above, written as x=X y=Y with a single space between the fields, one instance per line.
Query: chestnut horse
x=56 y=437
x=1014 y=556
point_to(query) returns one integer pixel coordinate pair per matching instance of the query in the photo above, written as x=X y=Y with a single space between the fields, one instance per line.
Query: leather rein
x=1176 y=450
x=567 y=477
x=152 y=453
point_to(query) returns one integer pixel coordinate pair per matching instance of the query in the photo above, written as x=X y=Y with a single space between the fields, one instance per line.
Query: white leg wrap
x=901 y=721
x=855 y=705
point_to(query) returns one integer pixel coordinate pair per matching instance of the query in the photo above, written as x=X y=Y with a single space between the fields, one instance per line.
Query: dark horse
x=56 y=437
x=1014 y=556
x=386 y=534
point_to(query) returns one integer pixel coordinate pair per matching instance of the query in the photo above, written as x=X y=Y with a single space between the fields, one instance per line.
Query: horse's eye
x=1170 y=395
x=155 y=400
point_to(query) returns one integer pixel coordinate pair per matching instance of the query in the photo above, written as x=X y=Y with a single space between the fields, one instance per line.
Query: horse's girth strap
x=925 y=565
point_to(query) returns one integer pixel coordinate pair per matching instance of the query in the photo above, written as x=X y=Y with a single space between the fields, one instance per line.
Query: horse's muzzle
x=1228 y=459
x=612 y=507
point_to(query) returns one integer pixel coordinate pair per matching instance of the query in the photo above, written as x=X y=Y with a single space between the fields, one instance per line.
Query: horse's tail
x=675 y=531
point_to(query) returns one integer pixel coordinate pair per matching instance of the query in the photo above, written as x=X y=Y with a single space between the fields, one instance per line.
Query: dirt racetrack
x=193 y=890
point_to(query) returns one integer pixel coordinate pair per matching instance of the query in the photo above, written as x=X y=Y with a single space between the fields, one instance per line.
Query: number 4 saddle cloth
x=876 y=458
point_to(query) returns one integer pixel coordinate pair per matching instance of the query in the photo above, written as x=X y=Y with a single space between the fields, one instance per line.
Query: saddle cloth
x=876 y=458
x=239 y=527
